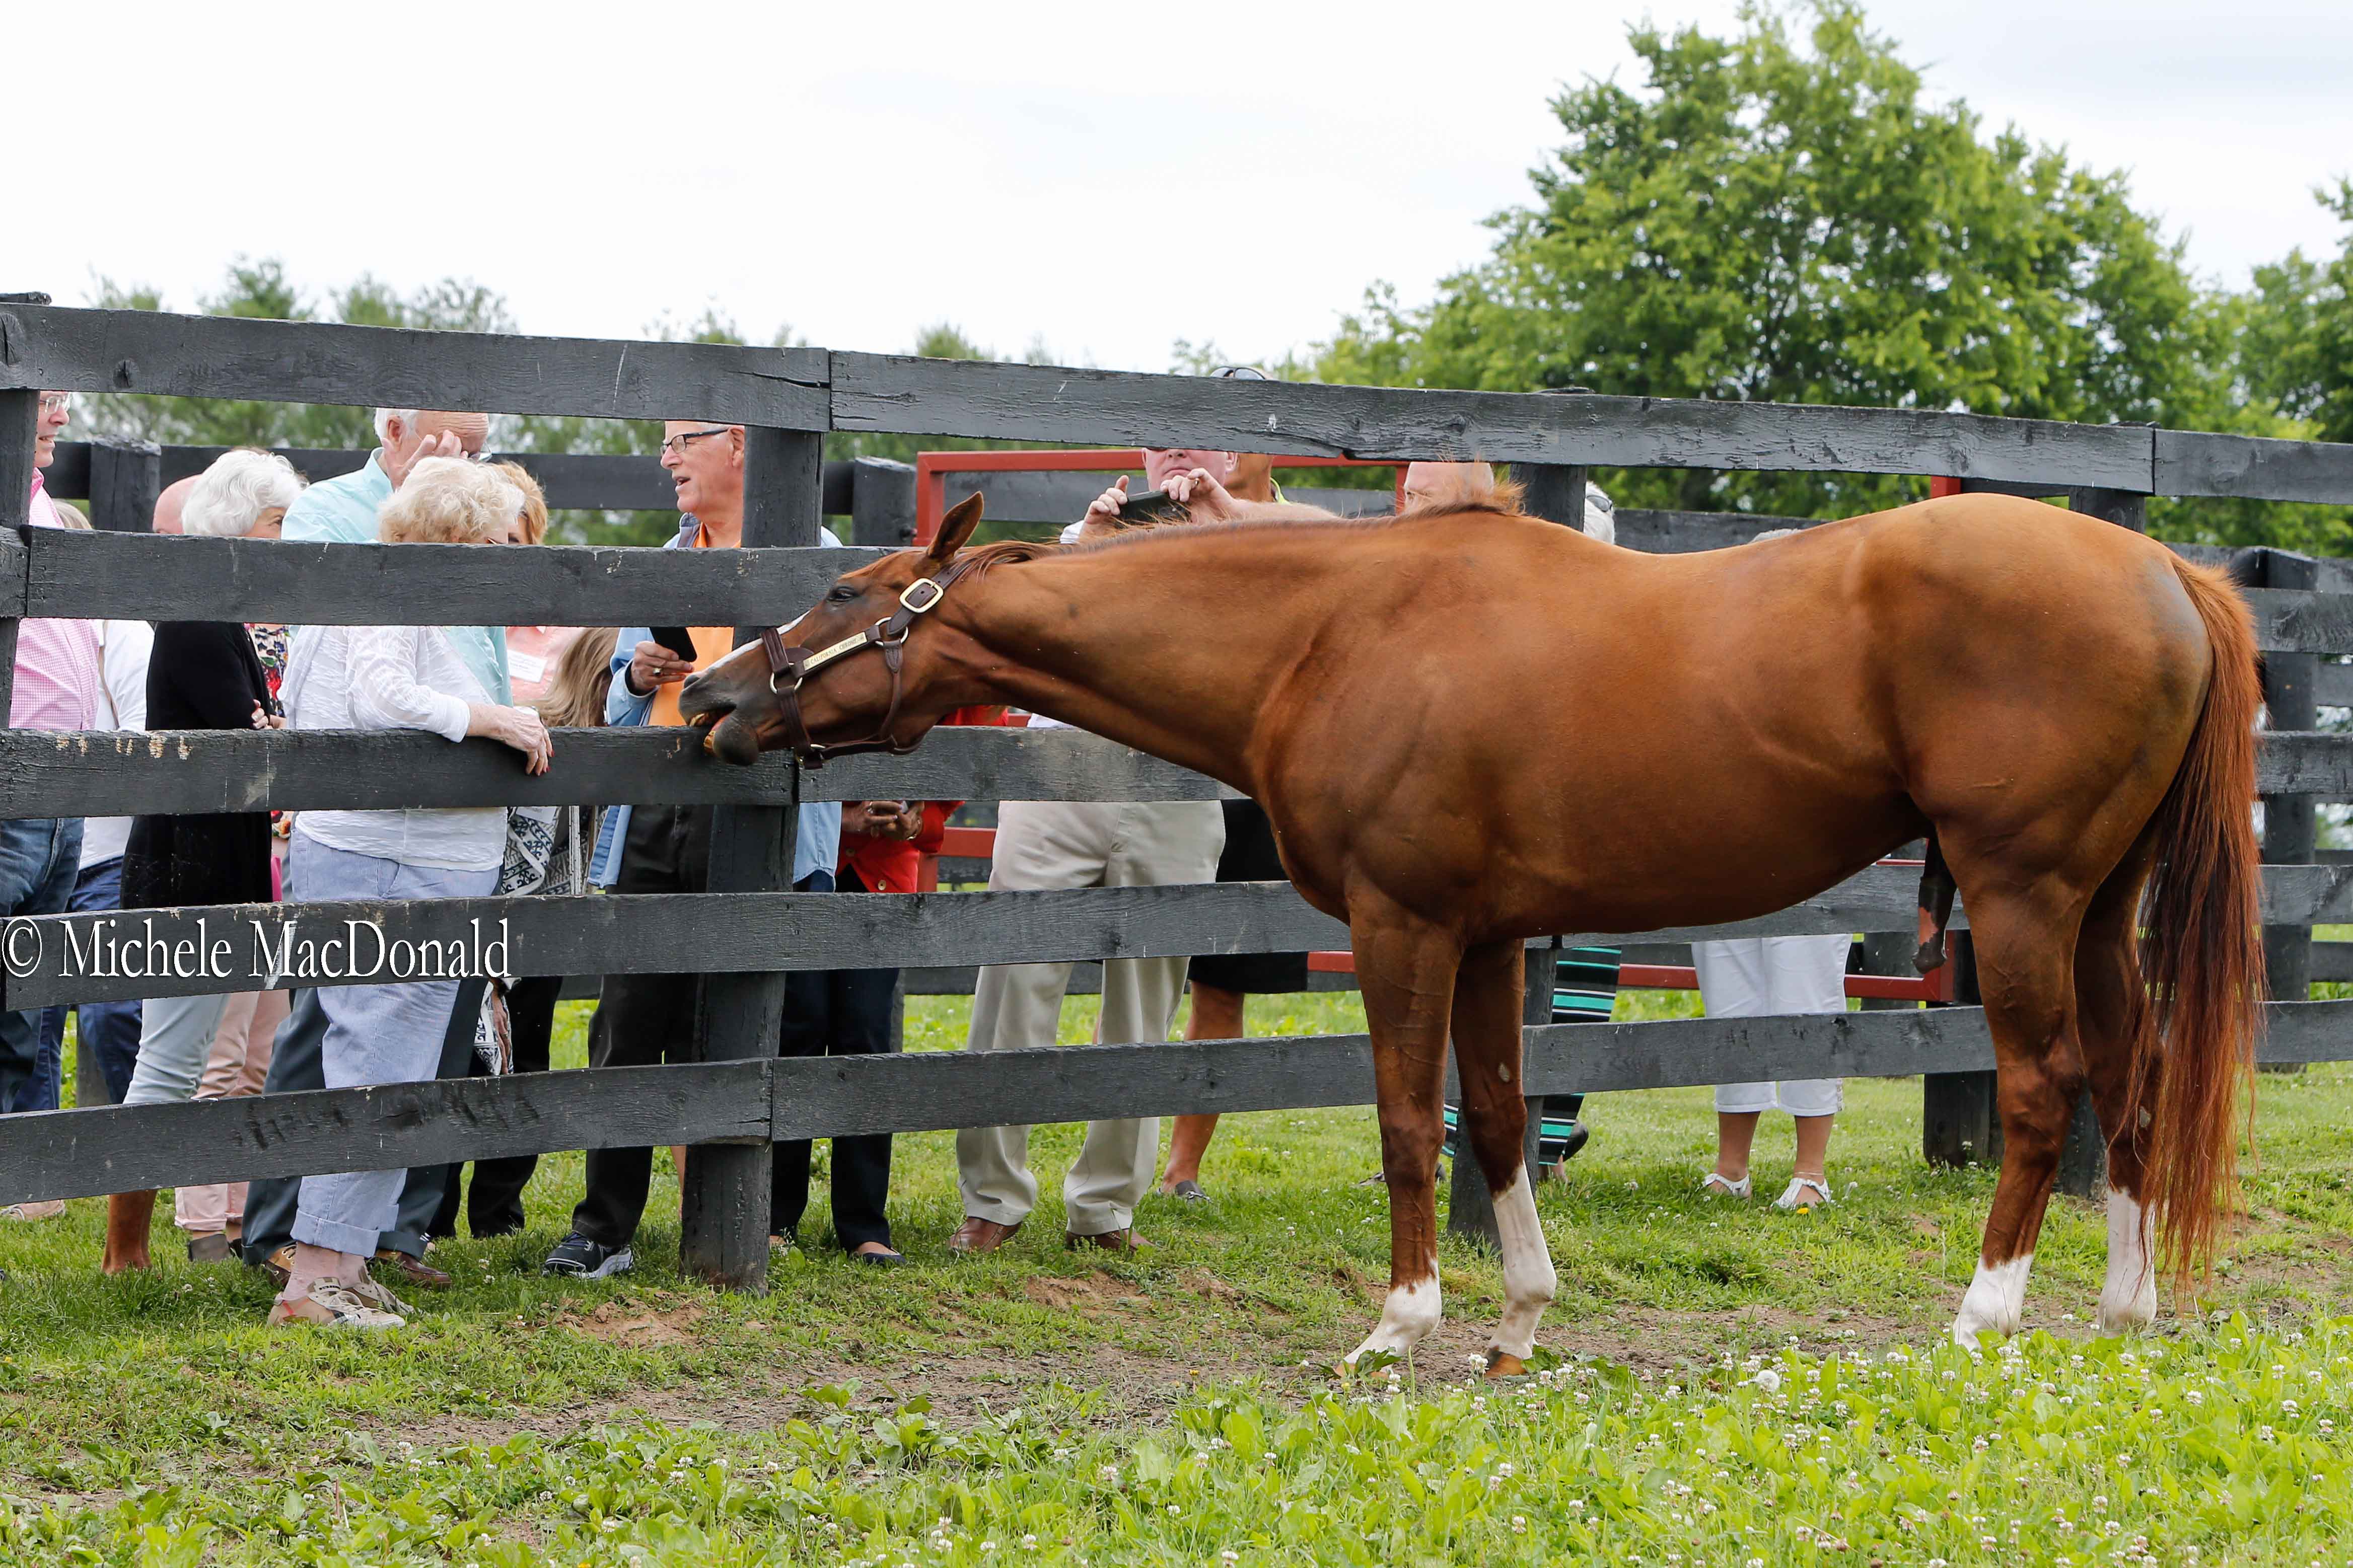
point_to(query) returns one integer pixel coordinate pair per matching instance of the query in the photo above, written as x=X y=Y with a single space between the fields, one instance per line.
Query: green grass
x=1161 y=1413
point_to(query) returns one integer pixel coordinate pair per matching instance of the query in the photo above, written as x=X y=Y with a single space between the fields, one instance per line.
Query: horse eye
x=841 y=595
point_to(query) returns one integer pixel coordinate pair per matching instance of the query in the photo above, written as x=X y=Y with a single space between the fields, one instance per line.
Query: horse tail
x=2203 y=959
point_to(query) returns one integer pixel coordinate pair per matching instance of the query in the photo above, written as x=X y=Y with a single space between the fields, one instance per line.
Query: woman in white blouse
x=452 y=681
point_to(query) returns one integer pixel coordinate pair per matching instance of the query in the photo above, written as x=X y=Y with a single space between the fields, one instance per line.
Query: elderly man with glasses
x=664 y=849
x=57 y=687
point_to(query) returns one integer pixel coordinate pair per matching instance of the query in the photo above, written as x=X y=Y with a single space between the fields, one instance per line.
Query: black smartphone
x=678 y=639
x=1151 y=506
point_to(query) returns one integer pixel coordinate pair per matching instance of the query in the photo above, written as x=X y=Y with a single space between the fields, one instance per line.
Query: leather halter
x=888 y=636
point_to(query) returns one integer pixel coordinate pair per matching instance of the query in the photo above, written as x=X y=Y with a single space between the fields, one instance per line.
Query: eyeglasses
x=1239 y=373
x=55 y=402
x=676 y=445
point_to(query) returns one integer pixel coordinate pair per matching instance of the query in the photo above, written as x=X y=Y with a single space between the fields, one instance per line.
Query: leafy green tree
x=1787 y=220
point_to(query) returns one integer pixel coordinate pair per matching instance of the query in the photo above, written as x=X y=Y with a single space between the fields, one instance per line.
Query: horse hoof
x=1503 y=1363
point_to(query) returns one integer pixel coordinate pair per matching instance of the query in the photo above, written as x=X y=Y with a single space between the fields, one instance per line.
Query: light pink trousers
x=238 y=1066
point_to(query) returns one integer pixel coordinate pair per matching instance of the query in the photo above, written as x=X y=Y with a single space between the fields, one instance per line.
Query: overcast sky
x=1108 y=180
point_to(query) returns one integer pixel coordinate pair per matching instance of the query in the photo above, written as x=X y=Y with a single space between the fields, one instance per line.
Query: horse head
x=849 y=676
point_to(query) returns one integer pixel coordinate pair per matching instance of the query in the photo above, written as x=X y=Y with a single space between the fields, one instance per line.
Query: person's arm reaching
x=386 y=694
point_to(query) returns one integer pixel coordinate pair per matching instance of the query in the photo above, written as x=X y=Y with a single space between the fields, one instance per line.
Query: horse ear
x=955 y=528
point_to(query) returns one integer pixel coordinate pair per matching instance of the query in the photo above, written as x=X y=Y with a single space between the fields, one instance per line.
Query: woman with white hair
x=454 y=682
x=201 y=675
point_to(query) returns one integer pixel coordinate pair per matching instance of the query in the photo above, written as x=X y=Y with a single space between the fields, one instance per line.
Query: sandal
x=1795 y=1196
x=1712 y=1183
x=333 y=1306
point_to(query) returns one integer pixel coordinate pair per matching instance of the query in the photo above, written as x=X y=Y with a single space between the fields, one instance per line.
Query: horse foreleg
x=1406 y=969
x=2025 y=969
x=1488 y=1007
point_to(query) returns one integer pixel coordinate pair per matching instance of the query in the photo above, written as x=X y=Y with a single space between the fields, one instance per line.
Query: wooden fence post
x=1556 y=493
x=2290 y=833
x=125 y=478
x=882 y=503
x=1470 y=1207
x=1958 y=1125
x=724 y=1220
x=20 y=415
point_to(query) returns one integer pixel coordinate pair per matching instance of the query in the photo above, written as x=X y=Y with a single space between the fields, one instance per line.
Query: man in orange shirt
x=666 y=848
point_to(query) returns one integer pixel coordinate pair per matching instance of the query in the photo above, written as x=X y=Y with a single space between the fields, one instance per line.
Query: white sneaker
x=1795 y=1196
x=334 y=1307
x=1712 y=1184
x=49 y=1208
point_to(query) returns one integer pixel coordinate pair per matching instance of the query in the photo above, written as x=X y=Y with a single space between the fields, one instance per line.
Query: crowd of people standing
x=339 y=1246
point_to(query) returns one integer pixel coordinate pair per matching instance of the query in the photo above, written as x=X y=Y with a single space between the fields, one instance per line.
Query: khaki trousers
x=1047 y=845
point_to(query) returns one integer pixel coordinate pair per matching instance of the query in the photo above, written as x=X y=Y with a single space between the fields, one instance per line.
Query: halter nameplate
x=887 y=636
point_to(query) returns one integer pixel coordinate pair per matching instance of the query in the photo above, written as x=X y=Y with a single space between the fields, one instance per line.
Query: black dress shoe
x=880 y=1260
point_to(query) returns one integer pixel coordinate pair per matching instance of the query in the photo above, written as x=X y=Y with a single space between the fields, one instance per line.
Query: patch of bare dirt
x=1083 y=1293
x=618 y=1325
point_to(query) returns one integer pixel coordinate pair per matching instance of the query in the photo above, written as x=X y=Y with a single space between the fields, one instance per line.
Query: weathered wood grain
x=1061 y=498
x=74 y=1154
x=882 y=391
x=49 y=957
x=159 y=577
x=321 y=362
x=82 y=1153
x=102 y=772
x=2196 y=463
x=702 y=933
x=574 y=481
x=2292 y=620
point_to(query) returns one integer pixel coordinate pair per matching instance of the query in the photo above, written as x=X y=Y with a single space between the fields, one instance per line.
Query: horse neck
x=1168 y=645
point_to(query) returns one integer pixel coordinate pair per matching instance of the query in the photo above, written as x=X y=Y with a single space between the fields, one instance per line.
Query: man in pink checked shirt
x=56 y=678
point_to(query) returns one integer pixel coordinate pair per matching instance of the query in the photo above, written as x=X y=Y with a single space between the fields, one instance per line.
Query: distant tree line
x=1778 y=215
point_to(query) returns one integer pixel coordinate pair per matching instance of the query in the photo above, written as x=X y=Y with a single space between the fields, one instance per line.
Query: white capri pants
x=1768 y=977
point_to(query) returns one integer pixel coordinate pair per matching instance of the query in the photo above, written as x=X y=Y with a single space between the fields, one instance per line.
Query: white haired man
x=342 y=510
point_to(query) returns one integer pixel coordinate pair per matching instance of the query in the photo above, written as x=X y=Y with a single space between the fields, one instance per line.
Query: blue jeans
x=111 y=1029
x=374 y=1033
x=38 y=857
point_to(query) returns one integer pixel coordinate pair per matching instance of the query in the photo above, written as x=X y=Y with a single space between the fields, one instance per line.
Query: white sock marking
x=1411 y=1313
x=1529 y=1280
x=2129 y=1296
x=1996 y=1301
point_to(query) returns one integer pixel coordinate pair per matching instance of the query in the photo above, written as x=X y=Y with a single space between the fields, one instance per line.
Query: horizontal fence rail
x=197 y=950
x=95 y=575
x=50 y=347
x=571 y=481
x=80 y=1153
x=64 y=349
x=126 y=772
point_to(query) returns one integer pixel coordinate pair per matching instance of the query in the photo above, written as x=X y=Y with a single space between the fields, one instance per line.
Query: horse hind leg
x=1406 y=971
x=2025 y=949
x=1488 y=1009
x=2114 y=1019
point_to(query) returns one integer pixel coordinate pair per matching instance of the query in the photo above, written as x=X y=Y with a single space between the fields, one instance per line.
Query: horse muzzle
x=728 y=733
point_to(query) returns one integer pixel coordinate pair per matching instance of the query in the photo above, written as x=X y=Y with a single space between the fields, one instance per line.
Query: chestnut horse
x=1471 y=727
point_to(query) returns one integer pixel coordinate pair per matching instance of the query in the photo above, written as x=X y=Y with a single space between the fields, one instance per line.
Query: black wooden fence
x=749 y=930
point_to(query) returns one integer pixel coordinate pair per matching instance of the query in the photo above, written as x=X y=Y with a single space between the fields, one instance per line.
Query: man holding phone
x=1043 y=845
x=641 y=1019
